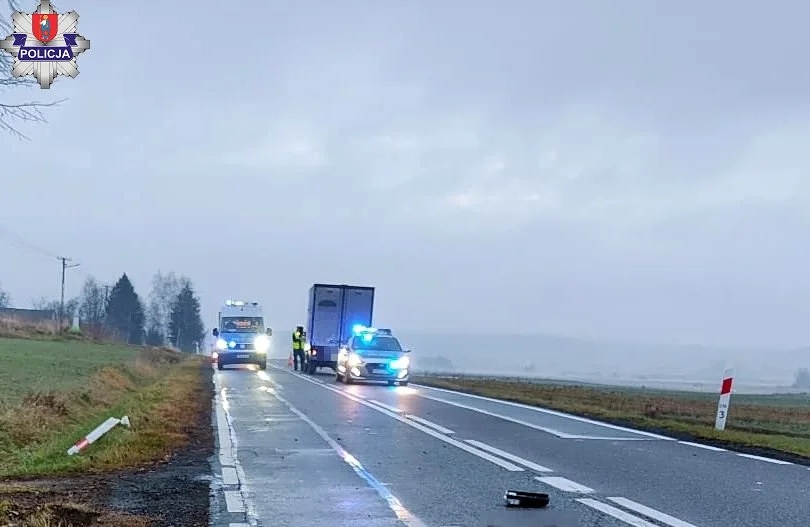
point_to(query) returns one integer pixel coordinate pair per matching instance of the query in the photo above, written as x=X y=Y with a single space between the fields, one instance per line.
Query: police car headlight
x=261 y=343
x=355 y=360
x=221 y=344
x=401 y=363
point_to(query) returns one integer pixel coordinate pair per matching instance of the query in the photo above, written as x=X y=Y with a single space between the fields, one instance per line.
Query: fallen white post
x=93 y=436
x=724 y=402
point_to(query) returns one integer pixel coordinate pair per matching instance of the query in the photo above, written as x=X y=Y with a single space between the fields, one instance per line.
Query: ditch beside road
x=56 y=389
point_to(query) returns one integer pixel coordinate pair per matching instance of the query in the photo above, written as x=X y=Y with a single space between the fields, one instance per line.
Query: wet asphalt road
x=313 y=452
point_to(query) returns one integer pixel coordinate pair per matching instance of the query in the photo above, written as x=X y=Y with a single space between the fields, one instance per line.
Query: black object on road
x=518 y=498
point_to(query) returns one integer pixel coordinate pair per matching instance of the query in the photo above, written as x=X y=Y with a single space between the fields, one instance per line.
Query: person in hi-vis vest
x=298 y=346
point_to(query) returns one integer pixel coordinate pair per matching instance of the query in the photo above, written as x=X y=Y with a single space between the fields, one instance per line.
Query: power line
x=21 y=242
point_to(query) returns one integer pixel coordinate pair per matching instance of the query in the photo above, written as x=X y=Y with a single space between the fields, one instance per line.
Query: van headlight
x=221 y=344
x=261 y=343
x=401 y=363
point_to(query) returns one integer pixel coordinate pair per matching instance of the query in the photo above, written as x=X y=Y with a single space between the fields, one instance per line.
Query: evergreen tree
x=185 y=323
x=125 y=313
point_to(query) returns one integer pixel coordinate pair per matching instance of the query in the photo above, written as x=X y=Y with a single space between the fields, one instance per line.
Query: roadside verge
x=777 y=426
x=155 y=473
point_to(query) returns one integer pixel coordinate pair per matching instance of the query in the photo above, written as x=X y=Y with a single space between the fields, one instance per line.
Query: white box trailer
x=332 y=313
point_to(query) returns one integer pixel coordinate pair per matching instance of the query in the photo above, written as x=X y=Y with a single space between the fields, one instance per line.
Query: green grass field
x=39 y=366
x=779 y=423
x=53 y=392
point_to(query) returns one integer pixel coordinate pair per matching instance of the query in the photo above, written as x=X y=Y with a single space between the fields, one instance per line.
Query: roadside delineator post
x=99 y=431
x=724 y=402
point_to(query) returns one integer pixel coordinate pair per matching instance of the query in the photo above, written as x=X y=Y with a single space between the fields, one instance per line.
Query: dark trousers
x=298 y=357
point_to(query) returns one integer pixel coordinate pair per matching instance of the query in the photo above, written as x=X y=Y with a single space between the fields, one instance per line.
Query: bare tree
x=30 y=111
x=165 y=288
x=49 y=304
x=93 y=304
x=5 y=299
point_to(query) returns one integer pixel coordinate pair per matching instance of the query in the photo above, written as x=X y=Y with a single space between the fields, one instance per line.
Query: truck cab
x=332 y=313
x=242 y=337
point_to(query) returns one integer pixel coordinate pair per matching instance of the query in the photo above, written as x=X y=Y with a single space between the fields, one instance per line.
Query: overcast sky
x=628 y=169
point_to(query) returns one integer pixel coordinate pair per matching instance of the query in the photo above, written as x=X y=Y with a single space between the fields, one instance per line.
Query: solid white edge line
x=551 y=412
x=238 y=525
x=765 y=459
x=564 y=484
x=431 y=424
x=402 y=514
x=234 y=501
x=651 y=513
x=429 y=431
x=705 y=447
x=580 y=419
x=247 y=505
x=619 y=514
x=229 y=476
x=383 y=405
x=511 y=457
x=557 y=433
x=527 y=424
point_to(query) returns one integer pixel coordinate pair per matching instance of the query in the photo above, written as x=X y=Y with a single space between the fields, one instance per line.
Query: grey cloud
x=594 y=168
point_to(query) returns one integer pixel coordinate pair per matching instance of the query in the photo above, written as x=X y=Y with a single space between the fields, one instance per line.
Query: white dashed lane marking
x=650 y=513
x=387 y=407
x=229 y=476
x=431 y=424
x=234 y=501
x=619 y=514
x=563 y=484
x=511 y=457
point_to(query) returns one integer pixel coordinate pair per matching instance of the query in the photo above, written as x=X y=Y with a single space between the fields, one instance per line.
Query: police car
x=373 y=355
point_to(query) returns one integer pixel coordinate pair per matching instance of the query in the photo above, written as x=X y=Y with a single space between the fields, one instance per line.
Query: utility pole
x=65 y=266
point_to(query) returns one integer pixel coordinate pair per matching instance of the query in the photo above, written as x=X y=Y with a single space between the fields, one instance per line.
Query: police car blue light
x=360 y=328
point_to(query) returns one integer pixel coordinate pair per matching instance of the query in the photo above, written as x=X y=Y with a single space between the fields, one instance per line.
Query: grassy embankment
x=774 y=423
x=55 y=388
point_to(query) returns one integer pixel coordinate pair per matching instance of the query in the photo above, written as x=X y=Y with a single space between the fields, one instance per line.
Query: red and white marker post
x=725 y=401
x=93 y=436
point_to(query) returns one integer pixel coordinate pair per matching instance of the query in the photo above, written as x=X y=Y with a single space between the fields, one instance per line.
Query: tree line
x=170 y=316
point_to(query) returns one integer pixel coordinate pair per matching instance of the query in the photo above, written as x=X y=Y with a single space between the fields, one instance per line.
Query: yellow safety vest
x=297 y=341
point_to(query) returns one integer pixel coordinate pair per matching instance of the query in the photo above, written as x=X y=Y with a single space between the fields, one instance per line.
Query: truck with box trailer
x=333 y=310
